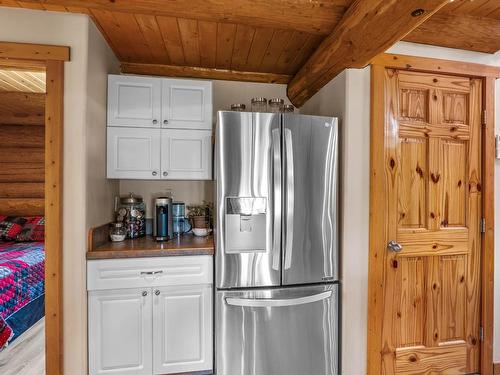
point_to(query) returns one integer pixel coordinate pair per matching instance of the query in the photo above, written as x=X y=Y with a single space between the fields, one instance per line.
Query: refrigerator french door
x=276 y=263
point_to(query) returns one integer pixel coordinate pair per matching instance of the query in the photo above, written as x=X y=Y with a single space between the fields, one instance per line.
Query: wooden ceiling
x=269 y=40
x=22 y=81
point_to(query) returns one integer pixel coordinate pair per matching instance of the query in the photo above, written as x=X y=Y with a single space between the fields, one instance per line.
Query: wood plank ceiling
x=256 y=40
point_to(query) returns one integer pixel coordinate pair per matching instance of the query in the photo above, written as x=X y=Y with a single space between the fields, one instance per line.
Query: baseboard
x=496 y=368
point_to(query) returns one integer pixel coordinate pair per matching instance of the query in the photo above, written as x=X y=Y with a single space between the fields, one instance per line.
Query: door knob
x=157 y=292
x=155 y=121
x=165 y=122
x=154 y=173
x=165 y=174
x=144 y=294
x=394 y=247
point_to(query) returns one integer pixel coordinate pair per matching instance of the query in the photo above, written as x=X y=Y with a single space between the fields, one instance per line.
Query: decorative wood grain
x=54 y=125
x=33 y=51
x=427 y=186
x=22 y=108
x=371 y=26
x=195 y=72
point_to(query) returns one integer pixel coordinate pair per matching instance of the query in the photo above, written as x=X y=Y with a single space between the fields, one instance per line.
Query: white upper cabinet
x=134 y=101
x=186 y=154
x=133 y=153
x=186 y=104
x=120 y=330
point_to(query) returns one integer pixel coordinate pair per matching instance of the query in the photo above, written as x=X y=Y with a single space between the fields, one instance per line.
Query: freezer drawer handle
x=265 y=302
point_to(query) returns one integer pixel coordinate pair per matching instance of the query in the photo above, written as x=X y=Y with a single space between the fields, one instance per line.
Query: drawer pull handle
x=151 y=272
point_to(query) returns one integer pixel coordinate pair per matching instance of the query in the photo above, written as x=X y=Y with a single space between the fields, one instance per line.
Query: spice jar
x=288 y=108
x=238 y=107
x=117 y=232
x=131 y=210
x=259 y=105
x=276 y=105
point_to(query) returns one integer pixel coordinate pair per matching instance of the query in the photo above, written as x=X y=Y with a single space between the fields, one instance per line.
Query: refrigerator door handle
x=276 y=199
x=262 y=302
x=289 y=198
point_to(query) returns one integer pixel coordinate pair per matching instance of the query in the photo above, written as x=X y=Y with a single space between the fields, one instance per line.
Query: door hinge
x=481 y=334
x=483 y=225
x=483 y=117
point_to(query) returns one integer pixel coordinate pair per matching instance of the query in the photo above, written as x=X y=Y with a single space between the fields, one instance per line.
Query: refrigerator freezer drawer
x=285 y=331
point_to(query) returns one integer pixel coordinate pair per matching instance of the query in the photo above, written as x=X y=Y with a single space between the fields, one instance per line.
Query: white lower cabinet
x=161 y=326
x=120 y=332
x=182 y=321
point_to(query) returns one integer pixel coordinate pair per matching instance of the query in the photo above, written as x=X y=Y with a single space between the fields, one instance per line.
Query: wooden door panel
x=433 y=185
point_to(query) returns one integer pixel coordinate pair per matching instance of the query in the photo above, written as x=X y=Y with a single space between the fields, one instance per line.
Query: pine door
x=432 y=191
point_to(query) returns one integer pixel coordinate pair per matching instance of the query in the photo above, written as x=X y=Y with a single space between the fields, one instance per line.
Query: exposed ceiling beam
x=459 y=31
x=368 y=28
x=312 y=16
x=195 y=72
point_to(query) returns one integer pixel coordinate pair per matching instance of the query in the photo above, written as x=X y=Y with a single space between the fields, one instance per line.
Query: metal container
x=238 y=107
x=131 y=210
x=259 y=105
x=276 y=105
x=288 y=108
x=163 y=222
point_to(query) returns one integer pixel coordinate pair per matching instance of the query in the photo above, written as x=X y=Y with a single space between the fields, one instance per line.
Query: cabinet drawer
x=148 y=272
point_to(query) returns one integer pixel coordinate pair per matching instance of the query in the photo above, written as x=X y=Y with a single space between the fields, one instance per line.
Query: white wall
x=225 y=93
x=75 y=31
x=100 y=191
x=348 y=97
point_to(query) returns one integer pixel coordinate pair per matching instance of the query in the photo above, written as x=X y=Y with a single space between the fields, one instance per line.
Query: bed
x=22 y=287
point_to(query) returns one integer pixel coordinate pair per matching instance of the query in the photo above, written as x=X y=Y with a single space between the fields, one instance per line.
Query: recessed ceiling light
x=417 y=12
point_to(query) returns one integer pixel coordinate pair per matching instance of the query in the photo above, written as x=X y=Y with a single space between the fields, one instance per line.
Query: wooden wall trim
x=425 y=64
x=377 y=190
x=33 y=51
x=197 y=72
x=53 y=217
x=488 y=255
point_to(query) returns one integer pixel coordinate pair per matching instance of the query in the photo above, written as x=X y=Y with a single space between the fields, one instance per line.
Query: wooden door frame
x=488 y=74
x=51 y=59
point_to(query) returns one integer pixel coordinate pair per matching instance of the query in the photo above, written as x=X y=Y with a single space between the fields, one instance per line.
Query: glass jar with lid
x=288 y=108
x=238 y=107
x=259 y=105
x=131 y=211
x=117 y=231
x=276 y=105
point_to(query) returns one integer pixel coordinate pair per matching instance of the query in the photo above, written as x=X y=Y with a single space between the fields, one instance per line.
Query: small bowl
x=201 y=232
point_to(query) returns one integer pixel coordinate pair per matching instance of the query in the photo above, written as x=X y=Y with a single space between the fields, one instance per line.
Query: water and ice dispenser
x=245 y=224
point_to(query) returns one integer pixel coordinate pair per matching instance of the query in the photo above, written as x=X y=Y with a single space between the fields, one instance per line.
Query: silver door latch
x=394 y=247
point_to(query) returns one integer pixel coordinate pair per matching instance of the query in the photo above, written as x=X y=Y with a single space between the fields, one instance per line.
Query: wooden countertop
x=187 y=244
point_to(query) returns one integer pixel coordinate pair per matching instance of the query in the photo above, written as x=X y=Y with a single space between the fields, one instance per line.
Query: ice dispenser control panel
x=245 y=226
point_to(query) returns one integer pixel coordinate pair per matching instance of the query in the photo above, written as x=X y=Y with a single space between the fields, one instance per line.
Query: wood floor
x=26 y=356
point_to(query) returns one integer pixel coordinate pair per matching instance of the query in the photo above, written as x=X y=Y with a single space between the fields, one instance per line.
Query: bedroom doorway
x=48 y=59
x=22 y=192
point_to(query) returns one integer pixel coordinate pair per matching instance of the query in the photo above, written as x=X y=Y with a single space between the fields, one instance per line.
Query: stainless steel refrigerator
x=276 y=268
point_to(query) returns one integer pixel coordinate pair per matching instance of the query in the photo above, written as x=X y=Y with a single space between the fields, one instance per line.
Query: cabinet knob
x=157 y=292
x=165 y=174
x=154 y=173
x=155 y=121
x=144 y=294
x=165 y=122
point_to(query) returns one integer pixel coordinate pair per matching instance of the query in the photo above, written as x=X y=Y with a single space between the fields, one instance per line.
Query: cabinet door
x=186 y=104
x=186 y=154
x=120 y=332
x=182 y=334
x=134 y=101
x=133 y=153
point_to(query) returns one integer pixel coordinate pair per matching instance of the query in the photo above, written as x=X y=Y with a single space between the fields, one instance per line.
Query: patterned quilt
x=22 y=279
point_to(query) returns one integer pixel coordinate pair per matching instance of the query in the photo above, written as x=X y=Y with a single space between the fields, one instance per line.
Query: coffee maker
x=163 y=223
